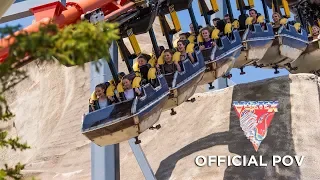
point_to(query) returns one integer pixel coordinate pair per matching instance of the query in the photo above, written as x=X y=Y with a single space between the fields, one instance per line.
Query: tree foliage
x=73 y=45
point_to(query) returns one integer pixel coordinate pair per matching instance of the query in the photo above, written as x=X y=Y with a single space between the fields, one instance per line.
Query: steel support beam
x=105 y=163
x=142 y=160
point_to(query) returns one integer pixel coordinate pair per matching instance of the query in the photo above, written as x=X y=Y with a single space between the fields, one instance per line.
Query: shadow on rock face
x=277 y=142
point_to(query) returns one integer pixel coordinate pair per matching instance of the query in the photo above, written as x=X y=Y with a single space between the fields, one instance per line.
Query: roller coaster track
x=113 y=10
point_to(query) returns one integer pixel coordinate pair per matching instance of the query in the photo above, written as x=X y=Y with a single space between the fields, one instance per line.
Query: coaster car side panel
x=293 y=43
x=150 y=106
x=256 y=43
x=130 y=118
x=287 y=47
x=185 y=83
x=309 y=61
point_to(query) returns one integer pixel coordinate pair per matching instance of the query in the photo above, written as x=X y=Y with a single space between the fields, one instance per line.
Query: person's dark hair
x=161 y=48
x=226 y=15
x=216 y=19
x=143 y=56
x=130 y=76
x=102 y=86
x=187 y=34
x=220 y=25
x=121 y=74
x=254 y=11
x=183 y=42
x=169 y=51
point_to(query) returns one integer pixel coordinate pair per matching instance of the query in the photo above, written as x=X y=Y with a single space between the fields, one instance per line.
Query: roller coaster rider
x=169 y=67
x=315 y=32
x=276 y=21
x=207 y=41
x=143 y=67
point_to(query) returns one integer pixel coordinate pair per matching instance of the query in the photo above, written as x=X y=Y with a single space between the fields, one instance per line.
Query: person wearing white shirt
x=102 y=100
x=129 y=92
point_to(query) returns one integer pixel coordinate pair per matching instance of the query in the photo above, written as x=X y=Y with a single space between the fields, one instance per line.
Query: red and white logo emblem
x=255 y=118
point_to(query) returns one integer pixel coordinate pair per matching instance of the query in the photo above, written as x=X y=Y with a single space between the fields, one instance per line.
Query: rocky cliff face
x=49 y=106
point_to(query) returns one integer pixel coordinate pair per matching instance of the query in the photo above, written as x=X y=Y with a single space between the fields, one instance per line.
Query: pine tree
x=73 y=45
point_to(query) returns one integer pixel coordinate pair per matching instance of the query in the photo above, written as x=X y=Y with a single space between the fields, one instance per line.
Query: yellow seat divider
x=160 y=59
x=260 y=19
x=120 y=87
x=174 y=18
x=190 y=48
x=319 y=22
x=134 y=42
x=214 y=5
x=136 y=82
x=249 y=20
x=152 y=61
x=110 y=90
x=215 y=34
x=152 y=74
x=228 y=28
x=283 y=21
x=235 y=24
x=176 y=56
x=199 y=38
x=286 y=8
x=297 y=26
x=135 y=66
x=191 y=38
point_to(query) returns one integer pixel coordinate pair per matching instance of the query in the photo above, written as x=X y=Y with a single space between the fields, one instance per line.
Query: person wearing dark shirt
x=143 y=67
x=215 y=22
x=182 y=48
x=227 y=18
x=169 y=67
x=276 y=22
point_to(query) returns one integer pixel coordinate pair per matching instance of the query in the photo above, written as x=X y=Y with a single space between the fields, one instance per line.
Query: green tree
x=73 y=45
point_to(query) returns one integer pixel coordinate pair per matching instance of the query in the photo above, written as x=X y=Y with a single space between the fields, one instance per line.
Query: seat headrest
x=215 y=34
x=152 y=73
x=160 y=59
x=135 y=66
x=297 y=26
x=249 y=20
x=136 y=82
x=228 y=28
x=176 y=56
x=199 y=38
x=260 y=19
x=190 y=48
x=93 y=96
x=152 y=61
x=120 y=87
x=191 y=38
x=110 y=90
x=236 y=24
x=283 y=21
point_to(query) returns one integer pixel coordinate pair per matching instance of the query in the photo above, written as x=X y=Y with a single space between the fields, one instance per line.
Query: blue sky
x=252 y=73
